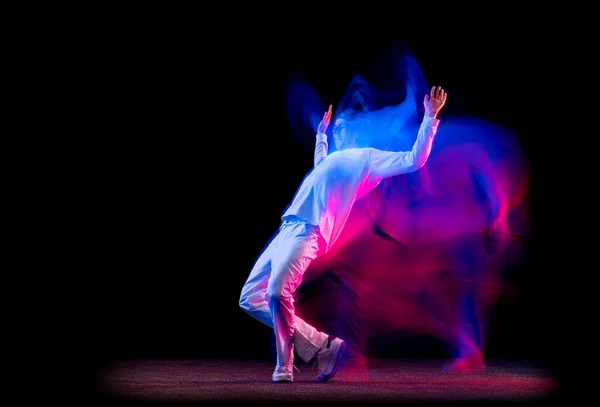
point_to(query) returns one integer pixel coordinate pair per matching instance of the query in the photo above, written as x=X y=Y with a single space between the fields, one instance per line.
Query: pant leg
x=252 y=298
x=298 y=244
x=307 y=339
x=293 y=238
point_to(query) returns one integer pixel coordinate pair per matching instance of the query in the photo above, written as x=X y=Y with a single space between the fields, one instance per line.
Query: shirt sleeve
x=386 y=164
x=321 y=148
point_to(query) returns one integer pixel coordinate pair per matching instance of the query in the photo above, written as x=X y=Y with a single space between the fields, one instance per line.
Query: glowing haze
x=424 y=254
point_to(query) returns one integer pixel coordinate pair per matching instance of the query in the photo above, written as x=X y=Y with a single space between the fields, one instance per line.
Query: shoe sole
x=283 y=379
x=338 y=358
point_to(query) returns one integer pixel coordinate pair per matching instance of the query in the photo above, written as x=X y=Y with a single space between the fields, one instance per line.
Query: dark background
x=195 y=162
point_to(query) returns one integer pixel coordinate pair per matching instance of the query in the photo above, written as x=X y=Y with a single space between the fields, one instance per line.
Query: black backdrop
x=195 y=163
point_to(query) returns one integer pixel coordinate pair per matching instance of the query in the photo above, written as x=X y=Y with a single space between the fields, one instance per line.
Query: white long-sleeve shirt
x=327 y=194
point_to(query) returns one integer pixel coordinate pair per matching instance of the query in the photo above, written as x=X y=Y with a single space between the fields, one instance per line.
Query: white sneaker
x=329 y=359
x=283 y=374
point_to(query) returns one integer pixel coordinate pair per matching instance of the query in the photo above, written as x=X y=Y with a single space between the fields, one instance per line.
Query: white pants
x=268 y=292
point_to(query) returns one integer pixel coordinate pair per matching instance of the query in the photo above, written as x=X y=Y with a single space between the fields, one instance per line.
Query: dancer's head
x=349 y=130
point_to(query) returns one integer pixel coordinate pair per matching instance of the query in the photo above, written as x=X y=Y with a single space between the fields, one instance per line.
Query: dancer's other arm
x=321 y=146
x=386 y=164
